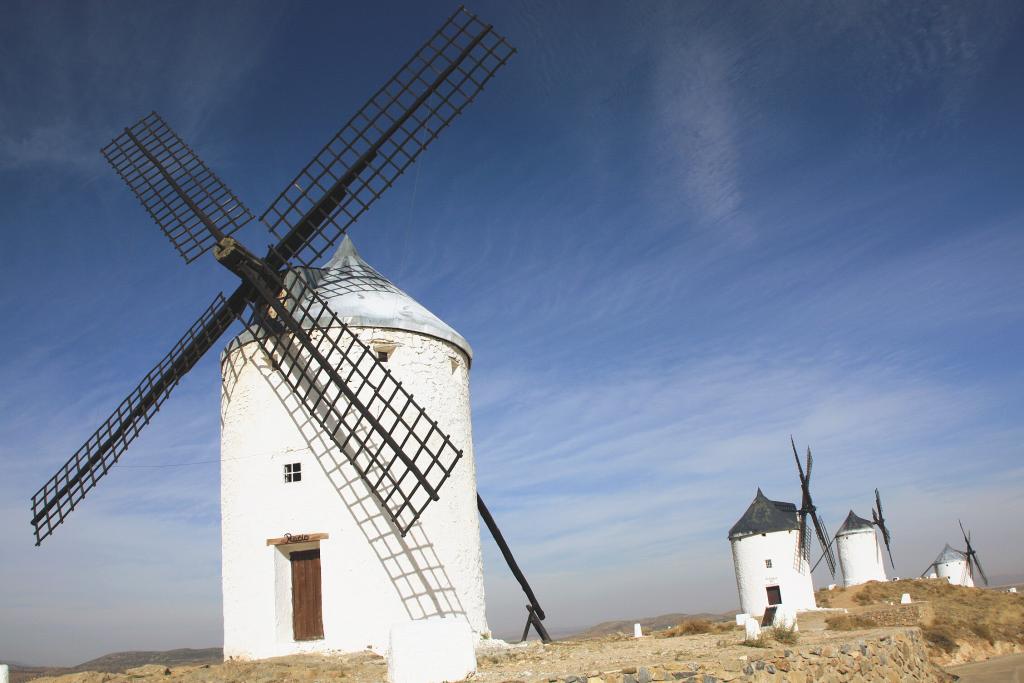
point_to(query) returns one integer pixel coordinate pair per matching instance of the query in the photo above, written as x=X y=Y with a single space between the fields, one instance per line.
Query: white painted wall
x=372 y=577
x=789 y=571
x=860 y=557
x=956 y=571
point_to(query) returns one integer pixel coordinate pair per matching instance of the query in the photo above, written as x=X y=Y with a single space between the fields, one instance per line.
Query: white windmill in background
x=771 y=567
x=957 y=566
x=860 y=555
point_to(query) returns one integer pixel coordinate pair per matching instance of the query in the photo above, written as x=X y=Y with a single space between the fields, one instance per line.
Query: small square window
x=768 y=564
x=382 y=356
x=292 y=472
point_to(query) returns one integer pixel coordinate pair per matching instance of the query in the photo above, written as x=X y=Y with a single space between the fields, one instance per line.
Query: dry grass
x=941 y=637
x=695 y=626
x=781 y=634
x=848 y=622
x=760 y=641
x=961 y=614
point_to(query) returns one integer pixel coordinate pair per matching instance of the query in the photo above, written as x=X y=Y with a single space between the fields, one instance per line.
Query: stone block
x=753 y=629
x=785 y=617
x=431 y=651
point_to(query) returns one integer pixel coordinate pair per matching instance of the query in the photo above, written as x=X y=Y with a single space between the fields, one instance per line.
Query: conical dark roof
x=854 y=523
x=765 y=516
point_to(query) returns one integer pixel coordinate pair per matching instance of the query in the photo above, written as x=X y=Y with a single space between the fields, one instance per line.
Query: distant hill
x=607 y=628
x=119 y=662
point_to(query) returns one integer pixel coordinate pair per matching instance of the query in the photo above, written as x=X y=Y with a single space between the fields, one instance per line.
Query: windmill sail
x=401 y=454
x=55 y=500
x=972 y=556
x=385 y=137
x=408 y=456
x=879 y=520
x=178 y=190
x=808 y=510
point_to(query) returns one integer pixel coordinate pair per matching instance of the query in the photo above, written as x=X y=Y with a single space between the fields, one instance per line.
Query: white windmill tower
x=860 y=555
x=958 y=566
x=951 y=564
x=771 y=567
x=309 y=559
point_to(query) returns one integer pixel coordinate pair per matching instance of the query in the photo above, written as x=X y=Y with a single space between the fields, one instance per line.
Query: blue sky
x=674 y=233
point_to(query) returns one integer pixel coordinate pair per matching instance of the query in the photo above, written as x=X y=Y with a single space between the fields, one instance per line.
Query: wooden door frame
x=307 y=609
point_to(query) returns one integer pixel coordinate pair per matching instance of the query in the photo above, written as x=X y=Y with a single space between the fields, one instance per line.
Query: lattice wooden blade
x=977 y=563
x=384 y=137
x=401 y=454
x=174 y=185
x=65 y=490
x=805 y=546
x=826 y=546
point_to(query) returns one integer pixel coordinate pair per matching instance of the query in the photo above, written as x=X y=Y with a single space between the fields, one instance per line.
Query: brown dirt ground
x=527 y=662
x=969 y=624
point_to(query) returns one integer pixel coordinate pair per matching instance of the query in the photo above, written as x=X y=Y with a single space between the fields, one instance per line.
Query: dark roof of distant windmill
x=765 y=516
x=854 y=523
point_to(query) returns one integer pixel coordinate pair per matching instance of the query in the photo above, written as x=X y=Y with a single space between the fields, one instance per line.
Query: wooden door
x=774 y=595
x=307 y=597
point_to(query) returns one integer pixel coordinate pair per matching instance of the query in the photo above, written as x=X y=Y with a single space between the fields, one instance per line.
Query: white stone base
x=431 y=651
x=785 y=617
x=752 y=629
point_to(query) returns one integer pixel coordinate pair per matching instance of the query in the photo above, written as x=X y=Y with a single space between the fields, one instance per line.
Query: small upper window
x=382 y=356
x=768 y=564
x=292 y=472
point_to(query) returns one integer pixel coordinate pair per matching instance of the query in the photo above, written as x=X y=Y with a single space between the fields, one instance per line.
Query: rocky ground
x=876 y=639
x=816 y=655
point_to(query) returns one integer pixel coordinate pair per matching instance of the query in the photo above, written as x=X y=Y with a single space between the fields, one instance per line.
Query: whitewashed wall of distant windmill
x=372 y=578
x=860 y=557
x=789 y=571
x=956 y=572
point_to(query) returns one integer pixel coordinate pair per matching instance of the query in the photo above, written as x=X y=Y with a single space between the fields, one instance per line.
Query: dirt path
x=1009 y=669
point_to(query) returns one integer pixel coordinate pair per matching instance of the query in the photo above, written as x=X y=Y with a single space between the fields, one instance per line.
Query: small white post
x=752 y=628
x=4 y=671
x=637 y=631
x=831 y=586
x=905 y=600
x=1013 y=589
x=741 y=619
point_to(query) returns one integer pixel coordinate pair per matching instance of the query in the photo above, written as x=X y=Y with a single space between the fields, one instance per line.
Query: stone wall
x=893 y=657
x=914 y=614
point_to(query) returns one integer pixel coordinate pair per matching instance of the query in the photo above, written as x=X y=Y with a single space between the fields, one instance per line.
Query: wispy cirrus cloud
x=139 y=60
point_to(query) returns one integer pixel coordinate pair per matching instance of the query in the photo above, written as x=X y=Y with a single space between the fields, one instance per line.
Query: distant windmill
x=860 y=555
x=879 y=520
x=807 y=509
x=958 y=566
x=331 y=371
